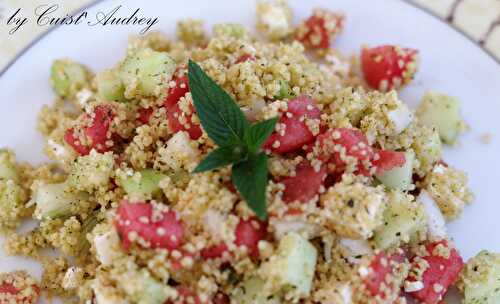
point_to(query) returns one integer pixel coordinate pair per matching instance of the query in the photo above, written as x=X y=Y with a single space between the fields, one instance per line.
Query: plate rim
x=95 y=2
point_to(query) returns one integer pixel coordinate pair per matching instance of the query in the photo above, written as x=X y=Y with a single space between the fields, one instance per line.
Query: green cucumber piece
x=143 y=288
x=148 y=72
x=68 y=77
x=403 y=219
x=294 y=264
x=56 y=200
x=399 y=178
x=481 y=278
x=110 y=86
x=250 y=292
x=146 y=185
x=442 y=112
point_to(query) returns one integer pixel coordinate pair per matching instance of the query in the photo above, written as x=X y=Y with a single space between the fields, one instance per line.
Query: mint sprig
x=221 y=157
x=219 y=115
x=250 y=178
x=239 y=143
x=257 y=134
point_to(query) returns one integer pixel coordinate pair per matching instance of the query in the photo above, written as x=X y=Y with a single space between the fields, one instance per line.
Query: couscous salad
x=238 y=168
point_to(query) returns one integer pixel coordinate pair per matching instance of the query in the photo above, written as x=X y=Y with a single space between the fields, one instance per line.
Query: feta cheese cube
x=179 y=152
x=106 y=245
x=274 y=19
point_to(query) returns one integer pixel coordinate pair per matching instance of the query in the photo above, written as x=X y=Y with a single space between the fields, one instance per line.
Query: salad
x=240 y=168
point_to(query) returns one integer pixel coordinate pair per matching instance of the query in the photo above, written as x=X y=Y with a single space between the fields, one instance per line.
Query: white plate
x=449 y=63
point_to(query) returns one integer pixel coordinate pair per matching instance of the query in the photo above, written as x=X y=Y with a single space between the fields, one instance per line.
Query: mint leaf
x=221 y=157
x=219 y=115
x=258 y=133
x=250 y=178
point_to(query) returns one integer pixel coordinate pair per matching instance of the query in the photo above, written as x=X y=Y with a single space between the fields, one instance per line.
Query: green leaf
x=221 y=157
x=228 y=127
x=258 y=133
x=250 y=178
x=219 y=115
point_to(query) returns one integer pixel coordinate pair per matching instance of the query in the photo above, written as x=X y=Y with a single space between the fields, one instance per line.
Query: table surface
x=478 y=19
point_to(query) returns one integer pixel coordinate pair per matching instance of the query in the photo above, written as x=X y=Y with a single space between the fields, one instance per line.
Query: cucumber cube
x=110 y=86
x=442 y=112
x=144 y=184
x=143 y=288
x=56 y=200
x=146 y=73
x=399 y=178
x=294 y=264
x=403 y=219
x=481 y=279
x=68 y=77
